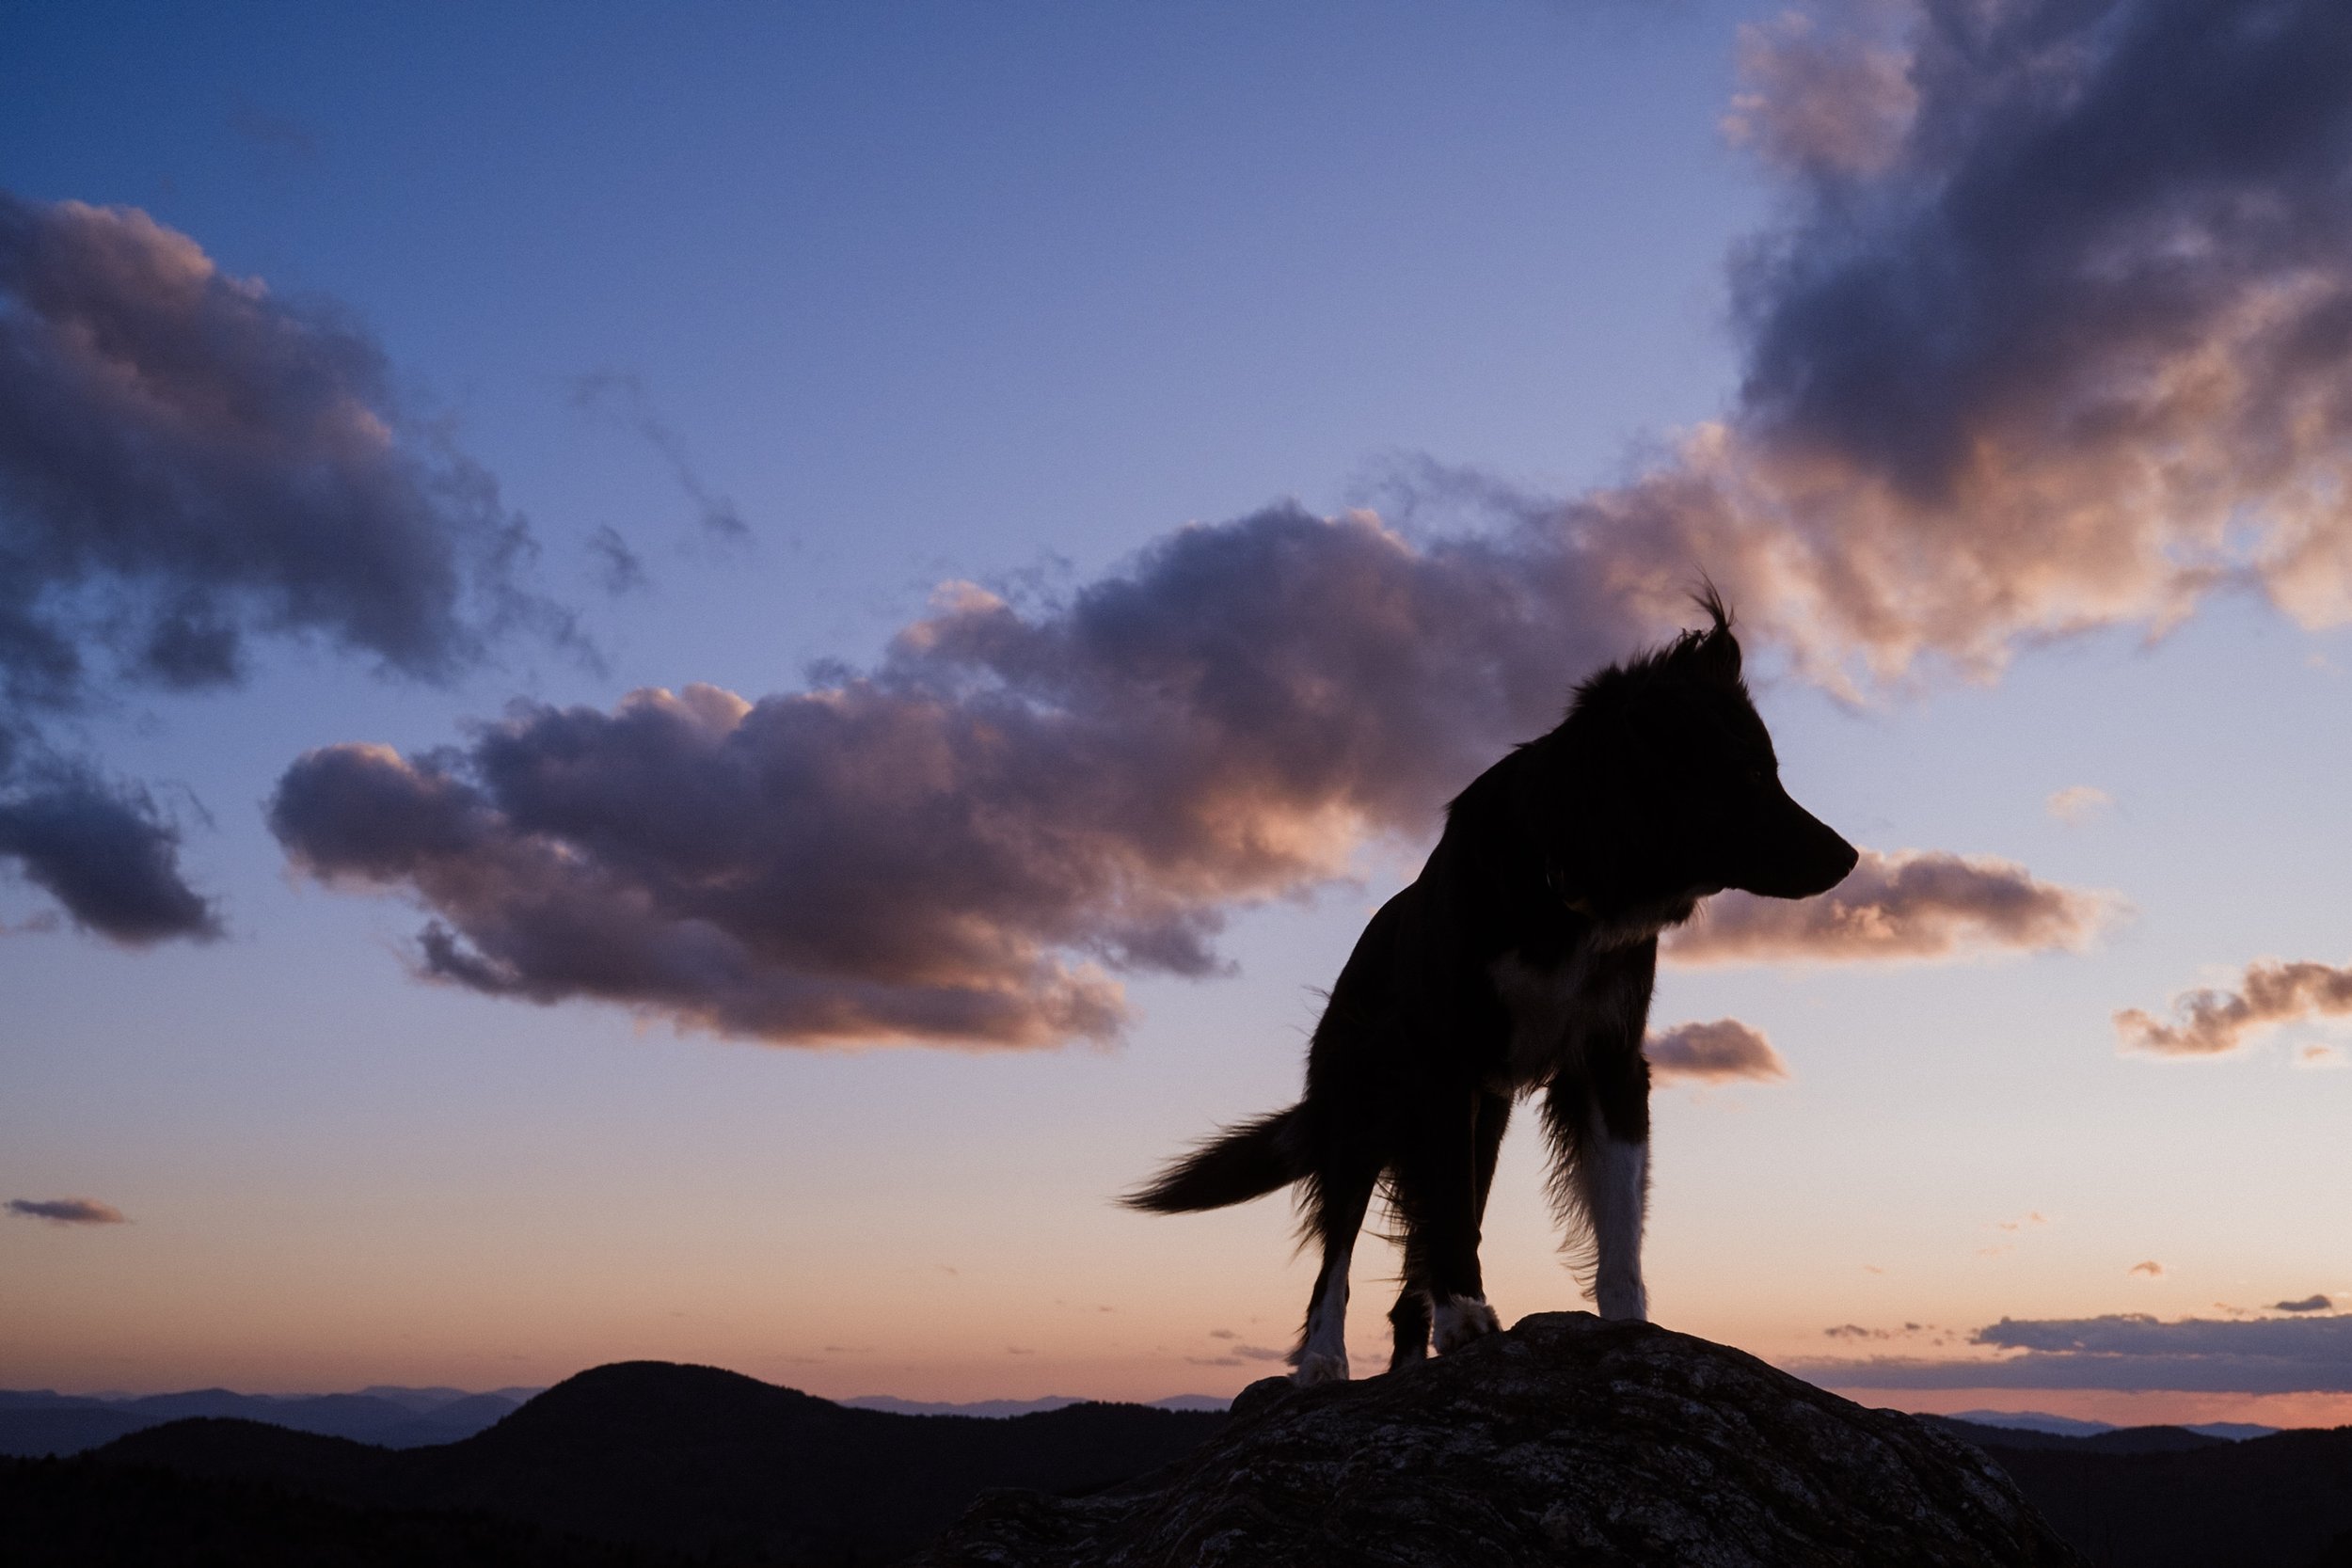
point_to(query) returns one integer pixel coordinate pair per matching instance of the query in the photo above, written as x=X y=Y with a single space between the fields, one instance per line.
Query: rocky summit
x=1567 y=1440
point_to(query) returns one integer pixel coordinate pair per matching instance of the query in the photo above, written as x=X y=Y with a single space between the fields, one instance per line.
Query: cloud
x=1713 y=1053
x=2078 y=803
x=2152 y=1269
x=66 y=1211
x=2055 y=337
x=188 y=461
x=2214 y=1022
x=1831 y=100
x=1910 y=905
x=972 y=842
x=2309 y=1304
x=1260 y=1352
x=104 y=851
x=621 y=390
x=968 y=843
x=2265 y=1356
x=618 y=569
x=186 y=458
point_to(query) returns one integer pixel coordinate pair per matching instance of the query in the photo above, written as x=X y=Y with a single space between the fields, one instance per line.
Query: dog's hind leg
x=1409 y=1319
x=1617 y=1182
x=1338 y=1203
x=1599 y=1127
x=1437 y=1187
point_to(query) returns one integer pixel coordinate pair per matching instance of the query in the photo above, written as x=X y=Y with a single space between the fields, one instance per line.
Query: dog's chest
x=1552 y=1009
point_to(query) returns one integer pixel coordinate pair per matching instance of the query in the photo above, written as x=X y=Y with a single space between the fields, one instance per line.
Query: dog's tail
x=1238 y=1165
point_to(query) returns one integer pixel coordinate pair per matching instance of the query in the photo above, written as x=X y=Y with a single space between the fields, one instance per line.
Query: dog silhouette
x=1521 y=960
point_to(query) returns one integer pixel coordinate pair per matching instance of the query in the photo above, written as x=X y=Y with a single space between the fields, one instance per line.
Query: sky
x=677 y=682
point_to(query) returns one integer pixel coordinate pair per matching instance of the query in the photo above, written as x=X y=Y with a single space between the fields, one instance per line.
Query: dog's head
x=1672 y=789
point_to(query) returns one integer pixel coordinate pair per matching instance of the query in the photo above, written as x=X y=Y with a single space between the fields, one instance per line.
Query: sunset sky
x=676 y=681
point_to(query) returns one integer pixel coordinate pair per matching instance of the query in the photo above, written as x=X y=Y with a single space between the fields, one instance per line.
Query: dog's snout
x=1799 y=857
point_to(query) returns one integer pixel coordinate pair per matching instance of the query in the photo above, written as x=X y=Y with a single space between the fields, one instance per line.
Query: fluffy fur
x=1521 y=960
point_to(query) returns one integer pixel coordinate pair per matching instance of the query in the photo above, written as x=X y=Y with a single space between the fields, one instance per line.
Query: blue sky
x=1008 y=295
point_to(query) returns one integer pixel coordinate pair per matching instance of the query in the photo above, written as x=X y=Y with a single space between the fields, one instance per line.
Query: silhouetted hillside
x=646 y=1462
x=2282 y=1501
x=700 y=1461
x=82 y=1514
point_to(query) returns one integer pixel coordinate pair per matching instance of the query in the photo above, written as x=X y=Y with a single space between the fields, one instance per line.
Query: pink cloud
x=2214 y=1022
x=1719 y=1052
x=1910 y=905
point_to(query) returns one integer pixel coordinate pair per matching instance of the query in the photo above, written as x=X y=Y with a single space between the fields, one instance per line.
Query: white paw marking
x=1462 y=1318
x=1324 y=1358
x=1619 y=1191
x=1622 y=1300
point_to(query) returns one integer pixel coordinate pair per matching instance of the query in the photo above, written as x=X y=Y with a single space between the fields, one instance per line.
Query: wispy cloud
x=2309 y=1354
x=66 y=1211
x=2078 y=803
x=624 y=393
x=1909 y=906
x=2216 y=1020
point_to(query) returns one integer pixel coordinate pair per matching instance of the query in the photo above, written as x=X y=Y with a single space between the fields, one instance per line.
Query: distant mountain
x=2032 y=1420
x=421 y=1401
x=698 y=1461
x=2236 y=1432
x=2067 y=1426
x=37 y=1422
x=2168 y=1497
x=999 y=1409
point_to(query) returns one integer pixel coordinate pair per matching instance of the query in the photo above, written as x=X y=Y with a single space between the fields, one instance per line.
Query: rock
x=1565 y=1441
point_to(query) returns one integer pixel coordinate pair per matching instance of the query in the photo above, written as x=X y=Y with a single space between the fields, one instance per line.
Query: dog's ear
x=1718 y=650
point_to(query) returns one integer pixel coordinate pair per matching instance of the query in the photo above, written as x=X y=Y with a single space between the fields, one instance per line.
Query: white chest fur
x=1548 y=1007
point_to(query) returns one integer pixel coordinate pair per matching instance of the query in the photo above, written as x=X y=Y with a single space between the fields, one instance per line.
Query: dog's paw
x=1622 y=1300
x=1320 y=1366
x=1462 y=1318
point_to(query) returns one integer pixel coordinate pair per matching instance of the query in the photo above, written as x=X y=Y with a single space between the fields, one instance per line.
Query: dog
x=1521 y=960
